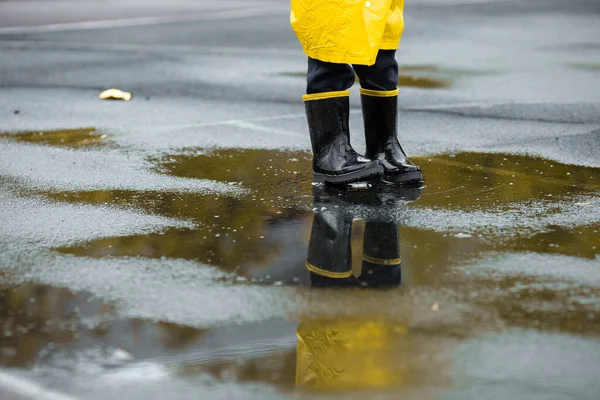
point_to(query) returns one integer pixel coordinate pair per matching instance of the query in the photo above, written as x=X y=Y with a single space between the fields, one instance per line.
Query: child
x=366 y=34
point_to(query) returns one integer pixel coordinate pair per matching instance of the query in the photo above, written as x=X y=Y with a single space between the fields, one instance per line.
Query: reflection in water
x=329 y=257
x=262 y=236
x=27 y=324
x=343 y=354
x=236 y=234
x=475 y=181
x=34 y=318
x=76 y=138
x=251 y=228
x=350 y=348
x=40 y=323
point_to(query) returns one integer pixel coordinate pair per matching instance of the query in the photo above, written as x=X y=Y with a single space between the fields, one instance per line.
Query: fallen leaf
x=115 y=94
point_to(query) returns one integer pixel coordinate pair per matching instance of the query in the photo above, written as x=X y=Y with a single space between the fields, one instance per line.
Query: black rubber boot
x=380 y=115
x=334 y=159
x=381 y=265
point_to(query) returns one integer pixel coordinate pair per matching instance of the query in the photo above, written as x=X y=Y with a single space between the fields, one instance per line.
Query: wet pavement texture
x=159 y=248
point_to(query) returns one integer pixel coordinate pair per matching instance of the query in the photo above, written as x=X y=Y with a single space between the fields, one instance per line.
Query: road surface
x=155 y=248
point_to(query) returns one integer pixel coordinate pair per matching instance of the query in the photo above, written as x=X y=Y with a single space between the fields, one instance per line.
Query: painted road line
x=143 y=21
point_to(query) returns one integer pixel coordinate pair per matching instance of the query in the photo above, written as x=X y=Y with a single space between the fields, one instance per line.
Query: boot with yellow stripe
x=380 y=115
x=334 y=159
x=381 y=264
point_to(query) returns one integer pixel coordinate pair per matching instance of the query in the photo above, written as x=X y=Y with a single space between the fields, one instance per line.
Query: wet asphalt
x=156 y=248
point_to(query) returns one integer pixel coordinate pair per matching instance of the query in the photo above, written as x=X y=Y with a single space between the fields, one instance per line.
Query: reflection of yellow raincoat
x=343 y=355
x=347 y=31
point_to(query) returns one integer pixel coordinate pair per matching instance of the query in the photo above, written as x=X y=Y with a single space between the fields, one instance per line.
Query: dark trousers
x=329 y=77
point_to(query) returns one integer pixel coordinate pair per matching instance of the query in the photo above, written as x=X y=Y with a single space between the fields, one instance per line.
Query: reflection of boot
x=329 y=251
x=380 y=114
x=334 y=159
x=381 y=255
x=329 y=254
x=329 y=257
x=394 y=194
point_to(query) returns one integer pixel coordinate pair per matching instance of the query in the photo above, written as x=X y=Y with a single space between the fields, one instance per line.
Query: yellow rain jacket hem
x=389 y=45
x=326 y=56
x=347 y=31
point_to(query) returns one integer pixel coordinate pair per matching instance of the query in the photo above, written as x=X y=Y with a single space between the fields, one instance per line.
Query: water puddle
x=586 y=66
x=468 y=181
x=333 y=355
x=265 y=237
x=240 y=234
x=74 y=138
x=423 y=82
x=412 y=292
x=35 y=317
x=41 y=324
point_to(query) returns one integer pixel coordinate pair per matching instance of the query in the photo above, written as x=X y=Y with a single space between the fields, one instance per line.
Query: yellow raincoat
x=347 y=31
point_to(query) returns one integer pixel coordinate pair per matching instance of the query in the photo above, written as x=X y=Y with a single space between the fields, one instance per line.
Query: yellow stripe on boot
x=325 y=95
x=379 y=93
x=382 y=261
x=328 y=274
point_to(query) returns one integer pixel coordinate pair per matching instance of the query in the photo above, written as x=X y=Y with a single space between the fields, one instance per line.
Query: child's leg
x=379 y=97
x=328 y=77
x=383 y=75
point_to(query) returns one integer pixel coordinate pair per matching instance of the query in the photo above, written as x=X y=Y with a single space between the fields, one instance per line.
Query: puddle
x=467 y=181
x=254 y=232
x=423 y=82
x=586 y=66
x=581 y=241
x=265 y=236
x=35 y=317
x=272 y=174
x=231 y=231
x=341 y=356
x=415 y=294
x=41 y=324
x=74 y=138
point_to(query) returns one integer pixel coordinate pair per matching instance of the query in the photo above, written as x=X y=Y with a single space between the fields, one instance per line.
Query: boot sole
x=407 y=178
x=362 y=175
